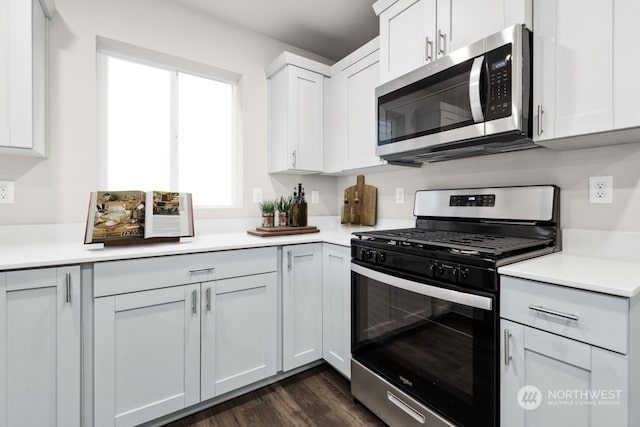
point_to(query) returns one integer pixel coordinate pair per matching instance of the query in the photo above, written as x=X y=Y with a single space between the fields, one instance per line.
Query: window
x=166 y=128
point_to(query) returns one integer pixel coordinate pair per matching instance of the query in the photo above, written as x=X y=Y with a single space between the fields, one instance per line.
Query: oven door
x=435 y=344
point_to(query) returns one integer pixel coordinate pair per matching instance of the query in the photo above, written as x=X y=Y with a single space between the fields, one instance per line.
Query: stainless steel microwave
x=474 y=101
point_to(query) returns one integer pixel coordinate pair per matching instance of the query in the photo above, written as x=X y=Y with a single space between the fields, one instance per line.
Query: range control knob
x=460 y=274
x=380 y=257
x=365 y=254
x=436 y=270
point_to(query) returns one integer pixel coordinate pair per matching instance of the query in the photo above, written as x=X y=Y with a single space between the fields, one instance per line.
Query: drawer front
x=118 y=277
x=598 y=319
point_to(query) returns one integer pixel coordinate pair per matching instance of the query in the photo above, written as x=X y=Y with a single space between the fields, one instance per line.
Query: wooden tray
x=282 y=231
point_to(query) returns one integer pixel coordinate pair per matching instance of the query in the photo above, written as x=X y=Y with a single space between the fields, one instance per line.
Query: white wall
x=56 y=190
x=570 y=170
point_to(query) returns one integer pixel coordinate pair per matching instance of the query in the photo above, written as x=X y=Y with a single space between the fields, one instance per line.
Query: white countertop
x=599 y=261
x=52 y=245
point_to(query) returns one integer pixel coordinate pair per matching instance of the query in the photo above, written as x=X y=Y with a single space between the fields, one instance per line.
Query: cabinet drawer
x=117 y=277
x=598 y=319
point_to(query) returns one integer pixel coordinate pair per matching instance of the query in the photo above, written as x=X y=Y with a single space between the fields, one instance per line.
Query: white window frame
x=111 y=48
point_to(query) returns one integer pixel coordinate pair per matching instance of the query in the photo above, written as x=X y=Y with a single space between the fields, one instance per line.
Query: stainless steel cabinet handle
x=553 y=312
x=540 y=113
x=289 y=260
x=67 y=285
x=199 y=270
x=507 y=353
x=194 y=301
x=428 y=49
x=442 y=43
x=208 y=299
x=294 y=158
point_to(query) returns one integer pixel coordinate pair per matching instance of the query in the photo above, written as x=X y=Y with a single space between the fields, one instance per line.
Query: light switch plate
x=400 y=195
x=257 y=195
x=315 y=197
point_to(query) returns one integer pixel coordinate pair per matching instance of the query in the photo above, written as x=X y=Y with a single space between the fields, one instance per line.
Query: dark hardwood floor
x=317 y=397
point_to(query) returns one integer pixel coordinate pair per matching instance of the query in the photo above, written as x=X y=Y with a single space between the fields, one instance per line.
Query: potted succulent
x=268 y=208
x=283 y=205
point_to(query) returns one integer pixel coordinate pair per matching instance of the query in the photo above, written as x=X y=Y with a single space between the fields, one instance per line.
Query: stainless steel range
x=425 y=302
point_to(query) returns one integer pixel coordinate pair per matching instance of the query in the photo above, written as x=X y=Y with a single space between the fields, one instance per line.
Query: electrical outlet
x=400 y=195
x=7 y=192
x=257 y=195
x=601 y=189
x=315 y=197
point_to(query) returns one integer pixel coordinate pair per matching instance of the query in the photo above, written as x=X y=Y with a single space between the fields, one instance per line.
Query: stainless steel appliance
x=425 y=302
x=474 y=101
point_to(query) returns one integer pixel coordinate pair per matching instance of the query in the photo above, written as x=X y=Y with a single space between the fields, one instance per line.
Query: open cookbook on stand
x=123 y=217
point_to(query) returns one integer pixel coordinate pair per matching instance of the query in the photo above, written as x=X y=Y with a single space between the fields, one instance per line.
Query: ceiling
x=329 y=28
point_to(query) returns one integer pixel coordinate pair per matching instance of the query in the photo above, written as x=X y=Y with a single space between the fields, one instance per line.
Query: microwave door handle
x=475 y=90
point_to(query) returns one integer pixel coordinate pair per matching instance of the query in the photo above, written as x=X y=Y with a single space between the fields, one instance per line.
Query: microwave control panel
x=499 y=72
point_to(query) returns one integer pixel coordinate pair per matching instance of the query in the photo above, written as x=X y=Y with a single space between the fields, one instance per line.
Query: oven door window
x=438 y=351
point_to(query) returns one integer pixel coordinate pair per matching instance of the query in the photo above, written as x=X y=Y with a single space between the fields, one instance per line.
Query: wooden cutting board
x=282 y=231
x=363 y=199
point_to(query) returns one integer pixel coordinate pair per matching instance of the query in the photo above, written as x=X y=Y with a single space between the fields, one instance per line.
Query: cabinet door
x=407 y=37
x=626 y=90
x=301 y=305
x=573 y=68
x=239 y=327
x=466 y=28
x=336 y=307
x=23 y=36
x=361 y=81
x=554 y=381
x=40 y=347
x=147 y=354
x=306 y=125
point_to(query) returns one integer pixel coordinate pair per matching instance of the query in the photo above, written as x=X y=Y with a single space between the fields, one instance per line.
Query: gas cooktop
x=463 y=242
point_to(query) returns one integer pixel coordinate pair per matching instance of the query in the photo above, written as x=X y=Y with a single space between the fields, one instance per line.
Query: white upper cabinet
x=23 y=70
x=585 y=88
x=626 y=90
x=472 y=19
x=573 y=68
x=296 y=114
x=415 y=32
x=350 y=141
x=408 y=33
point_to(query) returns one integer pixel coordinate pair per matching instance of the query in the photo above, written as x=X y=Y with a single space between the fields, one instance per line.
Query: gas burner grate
x=460 y=241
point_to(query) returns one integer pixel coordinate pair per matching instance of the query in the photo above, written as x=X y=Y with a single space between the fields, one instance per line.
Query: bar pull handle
x=289 y=260
x=413 y=413
x=208 y=299
x=293 y=155
x=428 y=49
x=442 y=43
x=553 y=312
x=507 y=352
x=201 y=269
x=194 y=301
x=540 y=113
x=67 y=285
x=475 y=90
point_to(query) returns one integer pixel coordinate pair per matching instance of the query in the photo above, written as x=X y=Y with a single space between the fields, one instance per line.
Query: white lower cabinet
x=239 y=332
x=301 y=305
x=40 y=347
x=147 y=354
x=552 y=379
x=336 y=307
x=162 y=348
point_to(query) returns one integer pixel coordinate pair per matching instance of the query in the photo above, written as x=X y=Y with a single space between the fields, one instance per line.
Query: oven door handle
x=457 y=297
